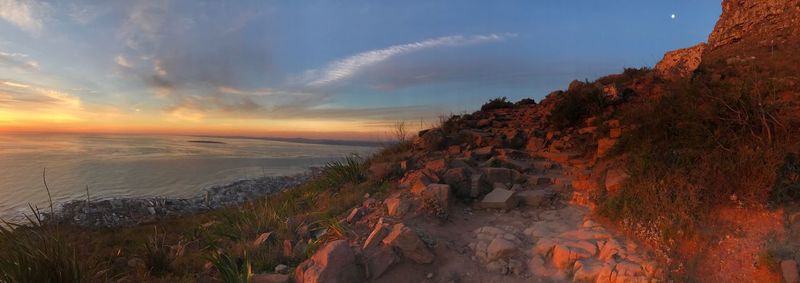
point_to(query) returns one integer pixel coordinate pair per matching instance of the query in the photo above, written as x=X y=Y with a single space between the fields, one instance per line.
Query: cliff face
x=768 y=21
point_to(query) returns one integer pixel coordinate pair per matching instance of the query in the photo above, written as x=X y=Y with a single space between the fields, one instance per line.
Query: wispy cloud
x=18 y=60
x=22 y=13
x=15 y=94
x=122 y=61
x=346 y=68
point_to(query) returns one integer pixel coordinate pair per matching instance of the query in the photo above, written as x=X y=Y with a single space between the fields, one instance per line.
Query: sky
x=314 y=69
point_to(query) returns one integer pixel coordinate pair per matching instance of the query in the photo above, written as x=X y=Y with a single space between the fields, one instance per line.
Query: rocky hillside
x=687 y=172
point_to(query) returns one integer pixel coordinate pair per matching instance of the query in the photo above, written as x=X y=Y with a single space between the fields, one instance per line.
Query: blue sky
x=312 y=68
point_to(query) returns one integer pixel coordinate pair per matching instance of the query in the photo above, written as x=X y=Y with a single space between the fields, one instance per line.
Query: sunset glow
x=350 y=71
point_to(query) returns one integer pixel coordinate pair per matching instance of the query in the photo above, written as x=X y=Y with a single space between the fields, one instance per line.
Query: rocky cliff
x=767 y=22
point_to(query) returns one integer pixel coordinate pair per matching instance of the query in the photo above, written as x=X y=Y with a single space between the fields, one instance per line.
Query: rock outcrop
x=772 y=20
x=680 y=63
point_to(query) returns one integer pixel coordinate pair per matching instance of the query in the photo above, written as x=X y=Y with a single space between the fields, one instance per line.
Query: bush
x=36 y=253
x=525 y=101
x=576 y=104
x=696 y=149
x=351 y=170
x=497 y=103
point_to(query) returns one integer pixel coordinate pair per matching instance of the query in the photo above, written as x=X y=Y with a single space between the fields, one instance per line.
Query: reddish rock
x=416 y=181
x=534 y=144
x=615 y=178
x=397 y=206
x=436 y=165
x=565 y=255
x=430 y=140
x=680 y=63
x=376 y=236
x=615 y=133
x=287 y=248
x=356 y=214
x=584 y=185
x=377 y=260
x=335 y=262
x=454 y=150
x=604 y=145
x=789 y=270
x=483 y=152
x=440 y=193
x=587 y=130
x=408 y=243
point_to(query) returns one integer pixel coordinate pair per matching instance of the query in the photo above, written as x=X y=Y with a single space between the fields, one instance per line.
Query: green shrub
x=231 y=269
x=787 y=187
x=36 y=253
x=574 y=105
x=525 y=101
x=158 y=256
x=351 y=170
x=497 y=103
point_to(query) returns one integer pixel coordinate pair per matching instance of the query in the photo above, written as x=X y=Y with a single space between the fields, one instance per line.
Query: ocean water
x=122 y=166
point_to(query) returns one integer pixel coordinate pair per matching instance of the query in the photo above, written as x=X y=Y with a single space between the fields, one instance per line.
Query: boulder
x=408 y=244
x=615 y=178
x=565 y=255
x=436 y=165
x=500 y=175
x=397 y=206
x=789 y=270
x=615 y=133
x=439 y=193
x=378 y=259
x=604 y=145
x=454 y=150
x=483 y=152
x=458 y=180
x=430 y=140
x=584 y=185
x=335 y=262
x=500 y=248
x=533 y=198
x=587 y=130
x=499 y=198
x=588 y=270
x=534 y=144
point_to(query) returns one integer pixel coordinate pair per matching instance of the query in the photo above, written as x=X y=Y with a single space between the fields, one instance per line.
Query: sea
x=131 y=166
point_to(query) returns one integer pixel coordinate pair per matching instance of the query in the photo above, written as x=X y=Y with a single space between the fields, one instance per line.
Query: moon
x=672 y=16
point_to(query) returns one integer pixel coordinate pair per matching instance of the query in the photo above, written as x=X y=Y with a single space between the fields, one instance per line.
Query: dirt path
x=554 y=241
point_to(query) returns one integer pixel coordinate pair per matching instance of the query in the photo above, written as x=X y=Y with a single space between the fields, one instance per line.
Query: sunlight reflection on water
x=115 y=166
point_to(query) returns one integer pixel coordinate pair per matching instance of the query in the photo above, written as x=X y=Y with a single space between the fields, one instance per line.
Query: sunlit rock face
x=770 y=21
x=680 y=63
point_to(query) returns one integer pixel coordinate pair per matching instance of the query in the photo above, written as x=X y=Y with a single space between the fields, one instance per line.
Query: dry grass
x=700 y=147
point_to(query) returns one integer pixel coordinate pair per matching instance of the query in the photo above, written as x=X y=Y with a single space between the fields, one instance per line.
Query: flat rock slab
x=499 y=198
x=533 y=198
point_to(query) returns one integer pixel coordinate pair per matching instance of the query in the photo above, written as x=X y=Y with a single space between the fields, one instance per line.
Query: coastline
x=123 y=212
